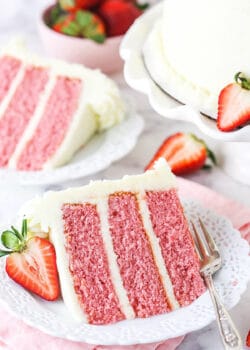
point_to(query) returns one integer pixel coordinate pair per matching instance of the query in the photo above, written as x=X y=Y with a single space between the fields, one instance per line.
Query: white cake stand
x=235 y=146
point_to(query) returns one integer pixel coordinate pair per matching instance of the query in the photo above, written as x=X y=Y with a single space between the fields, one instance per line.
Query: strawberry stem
x=14 y=240
x=5 y=252
x=210 y=154
x=242 y=80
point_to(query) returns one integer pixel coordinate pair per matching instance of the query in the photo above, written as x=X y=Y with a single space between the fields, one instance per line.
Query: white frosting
x=205 y=43
x=171 y=81
x=126 y=308
x=33 y=122
x=159 y=260
x=16 y=81
x=100 y=106
x=46 y=211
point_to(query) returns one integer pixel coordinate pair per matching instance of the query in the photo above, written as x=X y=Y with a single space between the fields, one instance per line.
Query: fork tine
x=209 y=239
x=199 y=243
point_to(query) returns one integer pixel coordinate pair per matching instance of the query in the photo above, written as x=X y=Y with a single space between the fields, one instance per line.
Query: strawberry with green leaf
x=234 y=104
x=184 y=153
x=82 y=24
x=31 y=262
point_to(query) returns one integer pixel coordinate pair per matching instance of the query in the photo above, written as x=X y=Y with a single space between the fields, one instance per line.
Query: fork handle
x=229 y=334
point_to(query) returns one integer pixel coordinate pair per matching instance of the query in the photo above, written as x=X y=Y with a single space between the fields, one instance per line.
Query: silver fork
x=210 y=261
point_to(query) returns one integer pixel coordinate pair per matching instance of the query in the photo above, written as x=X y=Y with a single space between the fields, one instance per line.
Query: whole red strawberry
x=74 y=5
x=31 y=262
x=234 y=104
x=184 y=153
x=118 y=15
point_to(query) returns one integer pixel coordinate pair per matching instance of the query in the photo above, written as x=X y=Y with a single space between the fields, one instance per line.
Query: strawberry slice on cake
x=234 y=104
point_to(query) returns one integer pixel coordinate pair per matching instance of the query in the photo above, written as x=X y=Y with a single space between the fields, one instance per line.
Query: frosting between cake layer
x=124 y=304
x=30 y=129
x=159 y=261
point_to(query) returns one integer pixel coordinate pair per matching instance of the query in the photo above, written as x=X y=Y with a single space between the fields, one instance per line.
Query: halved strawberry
x=248 y=339
x=184 y=153
x=31 y=262
x=118 y=15
x=81 y=23
x=234 y=104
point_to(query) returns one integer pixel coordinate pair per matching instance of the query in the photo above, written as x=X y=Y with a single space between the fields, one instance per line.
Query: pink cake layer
x=171 y=228
x=140 y=276
x=89 y=264
x=53 y=126
x=9 y=66
x=20 y=110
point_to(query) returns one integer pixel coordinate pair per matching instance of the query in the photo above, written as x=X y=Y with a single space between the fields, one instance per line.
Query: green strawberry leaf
x=16 y=233
x=71 y=29
x=67 y=3
x=10 y=240
x=55 y=12
x=4 y=252
x=211 y=156
x=83 y=18
x=206 y=167
x=24 y=228
x=98 y=38
x=142 y=7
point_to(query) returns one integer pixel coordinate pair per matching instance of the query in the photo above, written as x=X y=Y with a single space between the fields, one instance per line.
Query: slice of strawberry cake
x=49 y=109
x=123 y=247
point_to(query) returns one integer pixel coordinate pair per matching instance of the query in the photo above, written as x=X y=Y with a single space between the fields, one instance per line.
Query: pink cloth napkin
x=14 y=334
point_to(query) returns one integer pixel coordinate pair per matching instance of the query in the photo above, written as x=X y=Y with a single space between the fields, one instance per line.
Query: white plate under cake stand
x=235 y=146
x=231 y=281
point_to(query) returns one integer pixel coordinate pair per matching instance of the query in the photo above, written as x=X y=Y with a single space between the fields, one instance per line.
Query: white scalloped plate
x=98 y=154
x=231 y=281
x=139 y=78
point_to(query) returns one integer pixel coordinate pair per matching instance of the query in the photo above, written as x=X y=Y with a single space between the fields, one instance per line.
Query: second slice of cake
x=123 y=247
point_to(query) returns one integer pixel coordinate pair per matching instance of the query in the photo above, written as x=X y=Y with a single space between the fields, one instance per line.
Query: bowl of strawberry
x=88 y=32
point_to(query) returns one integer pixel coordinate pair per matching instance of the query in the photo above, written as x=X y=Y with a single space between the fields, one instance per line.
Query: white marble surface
x=18 y=17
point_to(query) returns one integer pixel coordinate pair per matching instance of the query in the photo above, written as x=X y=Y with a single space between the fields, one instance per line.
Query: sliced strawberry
x=65 y=24
x=118 y=15
x=248 y=339
x=184 y=153
x=31 y=263
x=82 y=24
x=234 y=104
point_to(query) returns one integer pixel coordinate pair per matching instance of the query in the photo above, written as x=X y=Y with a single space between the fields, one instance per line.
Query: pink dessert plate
x=103 y=56
x=231 y=281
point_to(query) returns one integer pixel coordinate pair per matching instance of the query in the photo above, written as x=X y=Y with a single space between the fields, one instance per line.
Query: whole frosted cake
x=197 y=47
x=123 y=247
